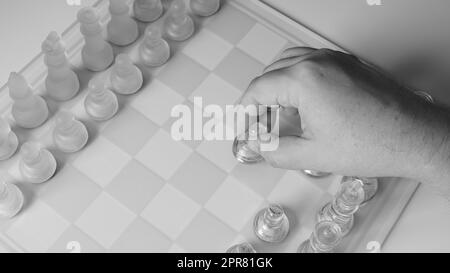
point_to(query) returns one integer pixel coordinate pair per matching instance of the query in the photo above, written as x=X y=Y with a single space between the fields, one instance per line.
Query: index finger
x=270 y=89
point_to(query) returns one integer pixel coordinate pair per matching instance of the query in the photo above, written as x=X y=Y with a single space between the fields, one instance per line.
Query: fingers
x=295 y=52
x=269 y=89
x=291 y=152
x=284 y=63
x=290 y=57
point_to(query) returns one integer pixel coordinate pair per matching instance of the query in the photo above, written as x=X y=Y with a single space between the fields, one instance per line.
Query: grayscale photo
x=236 y=130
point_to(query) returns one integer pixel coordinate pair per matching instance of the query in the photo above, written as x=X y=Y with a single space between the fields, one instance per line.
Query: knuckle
x=309 y=69
x=326 y=51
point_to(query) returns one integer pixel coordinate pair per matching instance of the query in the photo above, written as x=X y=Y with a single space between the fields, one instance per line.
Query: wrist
x=433 y=165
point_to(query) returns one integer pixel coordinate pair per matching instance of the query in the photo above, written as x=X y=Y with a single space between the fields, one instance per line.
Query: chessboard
x=135 y=189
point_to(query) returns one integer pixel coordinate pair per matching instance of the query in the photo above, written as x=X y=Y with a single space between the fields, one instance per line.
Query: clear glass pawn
x=271 y=224
x=178 y=25
x=70 y=135
x=97 y=54
x=344 y=205
x=37 y=164
x=154 y=50
x=147 y=10
x=326 y=237
x=245 y=147
x=126 y=78
x=204 y=7
x=241 y=248
x=8 y=140
x=62 y=82
x=29 y=110
x=122 y=29
x=11 y=200
x=370 y=186
x=101 y=103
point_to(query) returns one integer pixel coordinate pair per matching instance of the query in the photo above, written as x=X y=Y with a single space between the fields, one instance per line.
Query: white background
x=393 y=35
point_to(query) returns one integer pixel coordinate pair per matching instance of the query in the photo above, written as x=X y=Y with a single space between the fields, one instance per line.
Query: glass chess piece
x=122 y=29
x=11 y=200
x=126 y=78
x=245 y=148
x=62 y=82
x=204 y=7
x=241 y=248
x=36 y=164
x=100 y=103
x=147 y=10
x=344 y=205
x=271 y=224
x=70 y=135
x=8 y=140
x=178 y=25
x=29 y=110
x=325 y=238
x=316 y=174
x=370 y=186
x=154 y=50
x=97 y=54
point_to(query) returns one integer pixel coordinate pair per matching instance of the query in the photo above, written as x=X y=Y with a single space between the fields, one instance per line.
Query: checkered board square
x=135 y=189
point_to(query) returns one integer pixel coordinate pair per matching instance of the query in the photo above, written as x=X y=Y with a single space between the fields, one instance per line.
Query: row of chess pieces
x=29 y=110
x=333 y=221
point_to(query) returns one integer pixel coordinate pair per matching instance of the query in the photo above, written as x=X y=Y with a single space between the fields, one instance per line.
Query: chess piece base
x=10 y=147
x=14 y=205
x=38 y=176
x=100 y=61
x=63 y=90
x=31 y=118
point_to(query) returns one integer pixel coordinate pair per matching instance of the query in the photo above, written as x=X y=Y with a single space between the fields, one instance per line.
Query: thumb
x=287 y=152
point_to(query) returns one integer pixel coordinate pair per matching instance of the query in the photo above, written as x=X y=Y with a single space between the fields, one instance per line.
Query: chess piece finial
x=370 y=186
x=29 y=110
x=126 y=78
x=101 y=103
x=271 y=224
x=122 y=29
x=344 y=205
x=148 y=10
x=97 y=54
x=61 y=83
x=37 y=164
x=178 y=25
x=11 y=200
x=205 y=7
x=8 y=140
x=326 y=237
x=241 y=248
x=70 y=135
x=154 y=50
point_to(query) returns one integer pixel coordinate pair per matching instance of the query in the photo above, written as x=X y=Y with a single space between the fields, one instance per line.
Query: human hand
x=354 y=120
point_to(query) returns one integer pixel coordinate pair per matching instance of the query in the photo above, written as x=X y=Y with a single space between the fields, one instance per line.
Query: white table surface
x=385 y=35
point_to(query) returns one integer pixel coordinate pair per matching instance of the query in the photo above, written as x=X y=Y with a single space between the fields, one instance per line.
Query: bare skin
x=355 y=120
